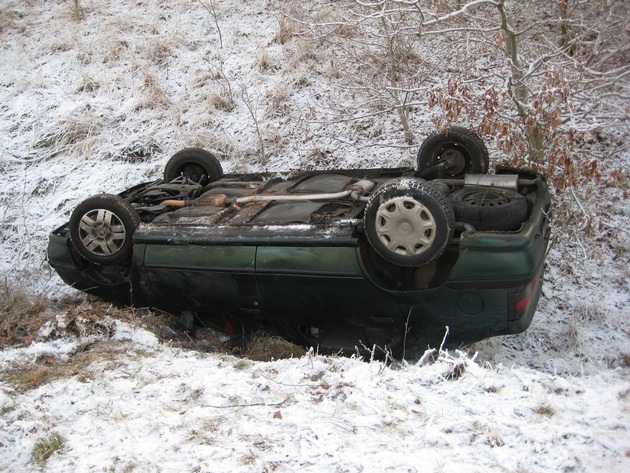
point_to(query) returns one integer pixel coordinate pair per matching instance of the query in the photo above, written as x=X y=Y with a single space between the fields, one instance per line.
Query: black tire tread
x=466 y=137
x=197 y=156
x=507 y=217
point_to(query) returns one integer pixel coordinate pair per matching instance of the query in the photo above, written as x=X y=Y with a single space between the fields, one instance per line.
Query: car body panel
x=319 y=285
x=215 y=278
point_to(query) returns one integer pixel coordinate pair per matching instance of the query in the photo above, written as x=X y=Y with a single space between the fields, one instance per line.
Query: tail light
x=519 y=302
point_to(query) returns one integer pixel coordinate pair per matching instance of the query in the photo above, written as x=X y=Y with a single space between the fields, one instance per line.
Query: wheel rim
x=485 y=198
x=194 y=172
x=455 y=155
x=405 y=226
x=102 y=232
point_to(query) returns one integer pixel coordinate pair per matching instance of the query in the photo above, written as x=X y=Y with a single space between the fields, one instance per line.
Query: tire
x=101 y=229
x=489 y=208
x=463 y=148
x=196 y=164
x=408 y=222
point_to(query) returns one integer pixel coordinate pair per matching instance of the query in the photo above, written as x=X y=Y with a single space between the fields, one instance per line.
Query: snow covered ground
x=99 y=103
x=147 y=407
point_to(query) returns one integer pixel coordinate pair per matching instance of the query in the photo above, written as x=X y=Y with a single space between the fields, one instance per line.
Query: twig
x=78 y=10
x=427 y=354
x=253 y=111
x=212 y=8
x=406 y=332
x=444 y=339
x=253 y=404
x=577 y=201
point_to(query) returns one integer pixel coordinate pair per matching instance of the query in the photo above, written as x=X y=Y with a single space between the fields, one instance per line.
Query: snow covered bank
x=154 y=408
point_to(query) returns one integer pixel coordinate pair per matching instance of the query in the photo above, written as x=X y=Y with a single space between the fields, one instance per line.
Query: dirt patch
x=25 y=318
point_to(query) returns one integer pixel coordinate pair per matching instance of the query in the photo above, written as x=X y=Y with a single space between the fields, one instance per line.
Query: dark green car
x=333 y=259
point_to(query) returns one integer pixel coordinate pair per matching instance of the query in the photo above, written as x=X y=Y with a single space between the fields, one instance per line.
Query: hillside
x=95 y=97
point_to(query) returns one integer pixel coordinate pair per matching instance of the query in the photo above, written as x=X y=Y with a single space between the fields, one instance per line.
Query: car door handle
x=249 y=311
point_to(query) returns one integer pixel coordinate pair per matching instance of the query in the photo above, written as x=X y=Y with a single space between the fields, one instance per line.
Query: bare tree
x=529 y=75
x=374 y=43
x=252 y=105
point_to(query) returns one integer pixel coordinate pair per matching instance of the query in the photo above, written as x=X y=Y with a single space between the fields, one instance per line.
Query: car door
x=211 y=279
x=321 y=285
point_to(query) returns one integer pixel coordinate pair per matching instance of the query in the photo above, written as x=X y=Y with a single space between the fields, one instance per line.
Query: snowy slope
x=147 y=407
x=99 y=102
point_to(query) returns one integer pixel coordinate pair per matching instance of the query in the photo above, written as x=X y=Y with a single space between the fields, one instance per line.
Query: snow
x=98 y=104
x=154 y=408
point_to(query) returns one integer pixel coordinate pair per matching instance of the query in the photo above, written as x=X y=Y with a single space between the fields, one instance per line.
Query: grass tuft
x=263 y=60
x=21 y=316
x=30 y=378
x=456 y=371
x=221 y=101
x=265 y=347
x=45 y=447
x=545 y=410
x=286 y=30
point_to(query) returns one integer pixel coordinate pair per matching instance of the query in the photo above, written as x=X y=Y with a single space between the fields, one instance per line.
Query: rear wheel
x=196 y=164
x=101 y=228
x=461 y=150
x=408 y=222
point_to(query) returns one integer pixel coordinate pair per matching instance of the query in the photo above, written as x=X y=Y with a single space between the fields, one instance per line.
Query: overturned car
x=332 y=259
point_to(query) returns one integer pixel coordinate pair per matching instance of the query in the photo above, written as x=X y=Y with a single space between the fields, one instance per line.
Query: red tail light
x=519 y=302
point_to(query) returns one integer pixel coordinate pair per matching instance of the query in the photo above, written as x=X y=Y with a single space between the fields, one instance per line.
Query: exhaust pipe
x=357 y=191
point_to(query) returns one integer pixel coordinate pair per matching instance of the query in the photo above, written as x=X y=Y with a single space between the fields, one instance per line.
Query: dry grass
x=25 y=318
x=85 y=363
x=456 y=371
x=74 y=134
x=279 y=100
x=266 y=347
x=156 y=97
x=20 y=313
x=30 y=377
x=88 y=84
x=158 y=51
x=487 y=434
x=221 y=101
x=263 y=60
x=304 y=52
x=544 y=410
x=5 y=20
x=286 y=30
x=115 y=50
x=45 y=447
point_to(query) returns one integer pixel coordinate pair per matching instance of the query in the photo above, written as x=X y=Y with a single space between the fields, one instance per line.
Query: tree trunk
x=518 y=90
x=392 y=67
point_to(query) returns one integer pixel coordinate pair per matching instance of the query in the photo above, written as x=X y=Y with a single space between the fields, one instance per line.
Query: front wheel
x=101 y=228
x=408 y=222
x=461 y=150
